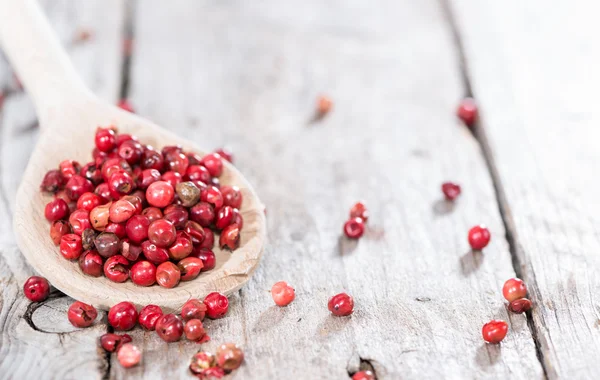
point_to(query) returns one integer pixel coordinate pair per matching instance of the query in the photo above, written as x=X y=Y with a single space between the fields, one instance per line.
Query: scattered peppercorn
x=494 y=331
x=479 y=237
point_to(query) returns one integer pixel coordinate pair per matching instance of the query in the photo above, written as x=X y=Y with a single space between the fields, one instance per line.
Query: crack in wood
x=479 y=134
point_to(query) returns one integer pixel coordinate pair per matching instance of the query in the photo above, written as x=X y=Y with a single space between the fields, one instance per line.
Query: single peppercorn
x=56 y=209
x=160 y=194
x=354 y=228
x=149 y=315
x=168 y=275
x=363 y=375
x=87 y=238
x=129 y=355
x=230 y=237
x=216 y=305
x=143 y=273
x=123 y=316
x=116 y=268
x=58 y=229
x=229 y=356
x=207 y=256
x=201 y=361
x=479 y=237
x=467 y=111
x=451 y=190
x=494 y=331
x=81 y=314
x=112 y=342
x=194 y=331
x=514 y=289
x=53 y=181
x=36 y=289
x=359 y=210
x=71 y=246
x=91 y=263
x=282 y=293
x=520 y=305
x=324 y=105
x=341 y=305
x=193 y=309
x=188 y=193
x=107 y=244
x=190 y=268
x=169 y=328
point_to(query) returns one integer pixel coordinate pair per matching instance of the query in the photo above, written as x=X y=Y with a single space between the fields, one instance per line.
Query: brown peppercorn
x=107 y=244
x=229 y=356
x=188 y=193
x=87 y=238
x=520 y=305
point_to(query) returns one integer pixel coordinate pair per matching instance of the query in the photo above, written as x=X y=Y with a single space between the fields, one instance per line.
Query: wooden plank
x=532 y=69
x=37 y=341
x=247 y=75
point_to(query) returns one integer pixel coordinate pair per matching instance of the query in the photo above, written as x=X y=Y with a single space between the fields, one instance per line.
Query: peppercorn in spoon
x=68 y=116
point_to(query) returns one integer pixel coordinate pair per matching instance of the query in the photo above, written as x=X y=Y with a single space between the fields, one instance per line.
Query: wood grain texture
x=247 y=75
x=37 y=341
x=534 y=75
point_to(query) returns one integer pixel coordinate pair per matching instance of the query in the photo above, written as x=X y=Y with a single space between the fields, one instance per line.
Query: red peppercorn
x=224 y=217
x=162 y=233
x=213 y=196
x=147 y=178
x=172 y=178
x=451 y=190
x=324 y=105
x=169 y=328
x=113 y=342
x=282 y=293
x=107 y=244
x=116 y=228
x=216 y=305
x=202 y=361
x=193 y=309
x=225 y=154
x=131 y=151
x=363 y=375
x=232 y=196
x=177 y=162
x=152 y=213
x=129 y=355
x=103 y=192
x=76 y=186
x=69 y=168
x=80 y=221
x=87 y=201
x=229 y=356
x=514 y=289
x=182 y=247
x=156 y=255
x=230 y=237
x=91 y=263
x=112 y=166
x=479 y=237
x=197 y=173
x=92 y=172
x=130 y=251
x=56 y=209
x=136 y=201
x=341 y=305
x=160 y=194
x=190 y=268
x=36 y=288
x=137 y=228
x=520 y=305
x=354 y=228
x=116 y=268
x=237 y=218
x=105 y=139
x=207 y=256
x=213 y=163
x=149 y=315
x=53 y=181
x=81 y=314
x=177 y=215
x=168 y=275
x=123 y=316
x=494 y=331
x=195 y=232
x=209 y=240
x=99 y=217
x=194 y=331
x=58 y=229
x=467 y=111
x=203 y=213
x=151 y=159
x=120 y=183
x=359 y=210
x=143 y=273
x=71 y=246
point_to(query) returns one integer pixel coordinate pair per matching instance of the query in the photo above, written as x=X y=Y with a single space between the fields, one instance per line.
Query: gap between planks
x=478 y=131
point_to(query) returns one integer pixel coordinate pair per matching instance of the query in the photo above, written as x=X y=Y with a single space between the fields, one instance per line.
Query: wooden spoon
x=69 y=114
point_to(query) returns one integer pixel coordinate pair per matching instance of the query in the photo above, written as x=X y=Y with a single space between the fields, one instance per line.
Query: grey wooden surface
x=247 y=75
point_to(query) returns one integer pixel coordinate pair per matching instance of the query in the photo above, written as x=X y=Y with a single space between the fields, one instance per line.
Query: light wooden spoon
x=69 y=114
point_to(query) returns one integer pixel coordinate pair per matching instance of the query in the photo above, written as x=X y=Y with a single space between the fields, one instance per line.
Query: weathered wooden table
x=246 y=74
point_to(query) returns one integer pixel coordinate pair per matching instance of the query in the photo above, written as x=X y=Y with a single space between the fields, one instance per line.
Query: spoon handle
x=37 y=56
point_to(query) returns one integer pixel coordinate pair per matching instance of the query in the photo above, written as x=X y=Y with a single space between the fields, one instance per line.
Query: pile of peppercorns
x=137 y=213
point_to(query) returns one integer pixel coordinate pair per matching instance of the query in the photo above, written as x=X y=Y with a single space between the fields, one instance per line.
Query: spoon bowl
x=69 y=115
